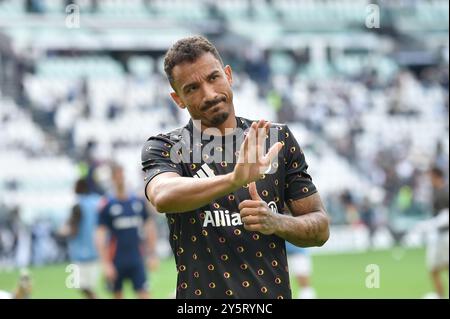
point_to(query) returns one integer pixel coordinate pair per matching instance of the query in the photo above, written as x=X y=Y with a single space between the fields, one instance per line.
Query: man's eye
x=214 y=77
x=191 y=89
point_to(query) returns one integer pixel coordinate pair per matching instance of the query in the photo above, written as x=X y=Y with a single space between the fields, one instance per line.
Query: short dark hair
x=81 y=186
x=115 y=167
x=437 y=171
x=188 y=50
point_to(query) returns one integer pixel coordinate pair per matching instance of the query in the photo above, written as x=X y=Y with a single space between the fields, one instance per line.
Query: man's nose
x=209 y=93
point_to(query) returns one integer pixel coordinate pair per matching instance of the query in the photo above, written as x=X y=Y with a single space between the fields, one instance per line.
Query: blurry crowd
x=390 y=166
x=356 y=114
x=22 y=244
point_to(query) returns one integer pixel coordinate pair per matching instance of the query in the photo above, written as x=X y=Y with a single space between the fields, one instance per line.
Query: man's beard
x=220 y=118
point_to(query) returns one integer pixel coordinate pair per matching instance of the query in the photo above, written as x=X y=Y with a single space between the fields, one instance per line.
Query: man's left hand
x=256 y=215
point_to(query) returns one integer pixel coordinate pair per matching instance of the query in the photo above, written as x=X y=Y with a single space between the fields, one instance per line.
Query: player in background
x=126 y=235
x=300 y=266
x=23 y=289
x=437 y=229
x=80 y=231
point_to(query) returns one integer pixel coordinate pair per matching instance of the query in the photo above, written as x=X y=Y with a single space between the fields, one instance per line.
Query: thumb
x=273 y=152
x=253 y=191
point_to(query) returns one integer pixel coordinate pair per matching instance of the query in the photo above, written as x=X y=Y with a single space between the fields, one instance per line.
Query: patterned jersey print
x=215 y=256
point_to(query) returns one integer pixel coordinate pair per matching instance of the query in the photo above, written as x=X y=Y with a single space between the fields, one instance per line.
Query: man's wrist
x=278 y=224
x=233 y=181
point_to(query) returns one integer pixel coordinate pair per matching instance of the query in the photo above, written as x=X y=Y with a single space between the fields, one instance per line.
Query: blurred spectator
x=44 y=247
x=80 y=231
x=300 y=266
x=67 y=115
x=35 y=6
x=351 y=210
x=23 y=289
x=368 y=218
x=126 y=229
x=438 y=226
x=22 y=238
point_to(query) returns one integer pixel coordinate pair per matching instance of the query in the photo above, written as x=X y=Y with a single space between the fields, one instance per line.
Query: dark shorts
x=134 y=272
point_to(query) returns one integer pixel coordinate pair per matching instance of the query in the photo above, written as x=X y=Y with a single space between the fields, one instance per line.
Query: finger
x=272 y=153
x=250 y=154
x=251 y=219
x=248 y=203
x=262 y=136
x=253 y=227
x=254 y=192
x=260 y=126
x=243 y=150
x=267 y=127
x=249 y=212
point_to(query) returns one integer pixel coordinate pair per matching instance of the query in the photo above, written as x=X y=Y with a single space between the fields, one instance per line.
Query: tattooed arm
x=308 y=226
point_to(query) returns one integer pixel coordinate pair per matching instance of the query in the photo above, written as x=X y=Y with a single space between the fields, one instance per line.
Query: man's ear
x=177 y=100
x=229 y=74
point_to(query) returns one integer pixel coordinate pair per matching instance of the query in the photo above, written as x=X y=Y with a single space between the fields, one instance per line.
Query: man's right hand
x=252 y=162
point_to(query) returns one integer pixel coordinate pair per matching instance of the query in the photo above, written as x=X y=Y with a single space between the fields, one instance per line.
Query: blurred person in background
x=437 y=227
x=23 y=289
x=22 y=247
x=8 y=238
x=126 y=238
x=350 y=208
x=368 y=218
x=300 y=266
x=80 y=231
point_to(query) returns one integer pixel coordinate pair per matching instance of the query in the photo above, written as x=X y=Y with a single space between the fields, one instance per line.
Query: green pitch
x=402 y=274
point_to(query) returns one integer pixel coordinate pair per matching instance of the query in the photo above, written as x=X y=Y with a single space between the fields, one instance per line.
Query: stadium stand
x=367 y=107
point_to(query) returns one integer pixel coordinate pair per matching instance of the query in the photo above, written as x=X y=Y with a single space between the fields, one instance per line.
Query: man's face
x=118 y=177
x=204 y=88
x=435 y=180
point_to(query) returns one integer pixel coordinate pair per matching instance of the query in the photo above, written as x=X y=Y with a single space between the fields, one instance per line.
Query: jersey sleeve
x=157 y=158
x=104 y=218
x=298 y=183
x=146 y=213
